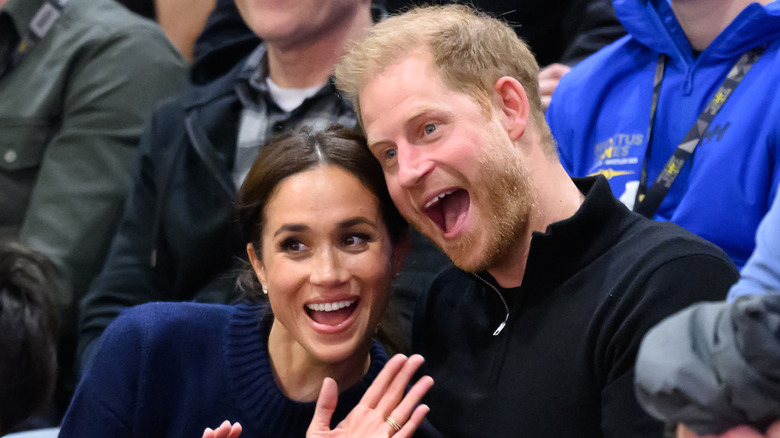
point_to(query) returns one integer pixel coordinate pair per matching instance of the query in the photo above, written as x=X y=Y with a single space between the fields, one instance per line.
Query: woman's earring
x=265 y=290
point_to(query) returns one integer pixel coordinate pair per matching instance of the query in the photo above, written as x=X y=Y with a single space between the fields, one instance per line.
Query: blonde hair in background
x=470 y=49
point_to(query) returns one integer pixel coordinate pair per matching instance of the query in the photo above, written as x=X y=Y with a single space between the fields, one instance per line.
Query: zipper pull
x=500 y=327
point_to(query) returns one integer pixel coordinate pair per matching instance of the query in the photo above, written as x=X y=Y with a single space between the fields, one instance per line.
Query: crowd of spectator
x=592 y=185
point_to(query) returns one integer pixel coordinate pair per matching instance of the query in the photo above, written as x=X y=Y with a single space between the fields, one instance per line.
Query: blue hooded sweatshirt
x=600 y=115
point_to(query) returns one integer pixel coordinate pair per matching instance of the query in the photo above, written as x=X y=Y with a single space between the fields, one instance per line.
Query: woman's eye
x=292 y=245
x=429 y=128
x=356 y=241
x=390 y=154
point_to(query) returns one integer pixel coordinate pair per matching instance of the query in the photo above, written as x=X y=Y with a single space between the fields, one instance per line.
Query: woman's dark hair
x=305 y=149
x=29 y=322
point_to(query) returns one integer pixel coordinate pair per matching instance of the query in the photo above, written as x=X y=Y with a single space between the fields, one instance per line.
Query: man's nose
x=413 y=165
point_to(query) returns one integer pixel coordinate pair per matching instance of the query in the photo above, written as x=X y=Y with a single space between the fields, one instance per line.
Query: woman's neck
x=703 y=20
x=299 y=374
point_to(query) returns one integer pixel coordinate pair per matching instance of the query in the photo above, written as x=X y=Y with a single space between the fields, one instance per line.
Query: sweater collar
x=262 y=407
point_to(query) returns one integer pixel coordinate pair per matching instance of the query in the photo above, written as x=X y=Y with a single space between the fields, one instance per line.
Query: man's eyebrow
x=291 y=228
x=374 y=145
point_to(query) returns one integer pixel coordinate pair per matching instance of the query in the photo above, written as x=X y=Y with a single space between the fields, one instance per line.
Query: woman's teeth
x=329 y=307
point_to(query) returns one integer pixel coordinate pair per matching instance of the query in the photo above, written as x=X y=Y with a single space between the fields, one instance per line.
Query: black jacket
x=178 y=234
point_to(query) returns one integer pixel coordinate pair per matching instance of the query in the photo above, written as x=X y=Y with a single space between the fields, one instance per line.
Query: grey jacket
x=71 y=115
x=714 y=366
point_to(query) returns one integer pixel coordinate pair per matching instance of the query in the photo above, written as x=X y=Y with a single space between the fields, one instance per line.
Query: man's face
x=294 y=23
x=453 y=172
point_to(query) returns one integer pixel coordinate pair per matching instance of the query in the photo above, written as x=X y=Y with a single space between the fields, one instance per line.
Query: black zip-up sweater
x=563 y=364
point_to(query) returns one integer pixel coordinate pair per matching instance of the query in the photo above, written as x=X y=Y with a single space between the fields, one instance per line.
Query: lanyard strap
x=43 y=20
x=647 y=204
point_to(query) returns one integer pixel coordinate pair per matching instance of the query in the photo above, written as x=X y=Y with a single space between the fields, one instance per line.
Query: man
x=78 y=82
x=178 y=240
x=535 y=333
x=623 y=112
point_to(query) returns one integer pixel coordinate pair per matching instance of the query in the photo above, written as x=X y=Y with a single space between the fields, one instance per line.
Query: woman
x=325 y=241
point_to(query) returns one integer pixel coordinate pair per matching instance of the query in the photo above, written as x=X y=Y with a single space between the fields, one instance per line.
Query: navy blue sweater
x=173 y=369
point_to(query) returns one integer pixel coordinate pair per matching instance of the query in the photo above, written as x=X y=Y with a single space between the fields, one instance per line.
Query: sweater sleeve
x=761 y=273
x=105 y=399
x=672 y=286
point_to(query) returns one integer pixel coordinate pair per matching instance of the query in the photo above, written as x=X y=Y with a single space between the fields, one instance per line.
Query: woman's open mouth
x=331 y=313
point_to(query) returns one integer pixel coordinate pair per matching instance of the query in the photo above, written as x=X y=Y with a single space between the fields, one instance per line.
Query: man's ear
x=511 y=102
x=257 y=265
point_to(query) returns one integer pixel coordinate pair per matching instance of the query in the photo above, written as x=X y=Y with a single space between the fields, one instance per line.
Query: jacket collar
x=201 y=94
x=21 y=13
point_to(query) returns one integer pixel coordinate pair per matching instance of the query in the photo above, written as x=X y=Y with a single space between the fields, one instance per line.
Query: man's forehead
x=407 y=77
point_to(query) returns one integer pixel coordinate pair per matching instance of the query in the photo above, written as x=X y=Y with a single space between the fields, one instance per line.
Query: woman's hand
x=225 y=430
x=383 y=411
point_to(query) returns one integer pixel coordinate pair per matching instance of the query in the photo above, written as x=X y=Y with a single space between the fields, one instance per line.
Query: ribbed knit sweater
x=173 y=369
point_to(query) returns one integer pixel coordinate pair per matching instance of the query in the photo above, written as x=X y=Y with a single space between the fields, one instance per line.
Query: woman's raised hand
x=383 y=411
x=225 y=430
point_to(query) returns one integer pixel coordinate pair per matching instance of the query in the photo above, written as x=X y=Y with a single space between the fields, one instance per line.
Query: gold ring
x=394 y=424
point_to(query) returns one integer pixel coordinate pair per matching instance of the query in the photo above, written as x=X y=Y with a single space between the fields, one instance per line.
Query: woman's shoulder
x=161 y=321
x=174 y=313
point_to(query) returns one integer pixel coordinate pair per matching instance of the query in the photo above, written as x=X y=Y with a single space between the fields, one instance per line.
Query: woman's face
x=327 y=262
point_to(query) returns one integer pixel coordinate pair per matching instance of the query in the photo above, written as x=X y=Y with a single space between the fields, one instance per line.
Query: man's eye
x=429 y=128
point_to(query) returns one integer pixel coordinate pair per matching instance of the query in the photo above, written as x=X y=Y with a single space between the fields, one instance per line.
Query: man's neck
x=703 y=20
x=311 y=64
x=556 y=199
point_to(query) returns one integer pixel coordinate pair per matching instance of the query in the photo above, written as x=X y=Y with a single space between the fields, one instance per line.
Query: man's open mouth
x=448 y=209
x=331 y=313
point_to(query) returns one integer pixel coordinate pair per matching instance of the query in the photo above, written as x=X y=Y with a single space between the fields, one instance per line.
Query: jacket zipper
x=503 y=301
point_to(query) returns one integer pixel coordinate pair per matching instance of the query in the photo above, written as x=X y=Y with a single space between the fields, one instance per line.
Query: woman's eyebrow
x=291 y=228
x=356 y=221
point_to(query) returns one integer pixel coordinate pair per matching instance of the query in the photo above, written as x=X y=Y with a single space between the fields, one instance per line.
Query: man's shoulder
x=97 y=26
x=666 y=240
x=106 y=18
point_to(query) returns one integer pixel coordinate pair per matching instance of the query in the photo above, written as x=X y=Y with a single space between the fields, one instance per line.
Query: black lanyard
x=43 y=20
x=647 y=203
